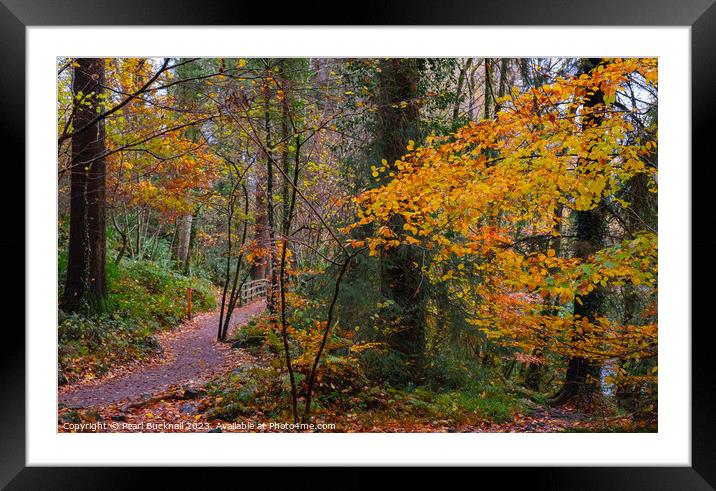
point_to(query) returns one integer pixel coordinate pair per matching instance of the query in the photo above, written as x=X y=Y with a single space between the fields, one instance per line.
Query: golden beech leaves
x=149 y=163
x=472 y=197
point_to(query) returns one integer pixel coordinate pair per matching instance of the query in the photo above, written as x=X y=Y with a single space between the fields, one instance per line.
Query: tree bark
x=85 y=286
x=285 y=160
x=259 y=267
x=225 y=318
x=488 y=89
x=184 y=238
x=192 y=242
x=582 y=375
x=460 y=83
x=271 y=222
x=400 y=280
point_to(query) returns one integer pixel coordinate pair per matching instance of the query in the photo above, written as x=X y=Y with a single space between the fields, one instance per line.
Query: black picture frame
x=700 y=15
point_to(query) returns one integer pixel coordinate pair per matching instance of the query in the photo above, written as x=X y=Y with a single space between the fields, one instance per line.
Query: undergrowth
x=143 y=300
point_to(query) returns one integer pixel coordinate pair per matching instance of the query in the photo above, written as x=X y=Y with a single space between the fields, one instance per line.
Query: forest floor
x=168 y=394
x=190 y=357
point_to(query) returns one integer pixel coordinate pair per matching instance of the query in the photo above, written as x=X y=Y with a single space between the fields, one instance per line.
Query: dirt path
x=191 y=356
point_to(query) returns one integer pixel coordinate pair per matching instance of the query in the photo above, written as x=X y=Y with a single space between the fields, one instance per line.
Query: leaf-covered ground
x=171 y=393
x=190 y=356
x=180 y=409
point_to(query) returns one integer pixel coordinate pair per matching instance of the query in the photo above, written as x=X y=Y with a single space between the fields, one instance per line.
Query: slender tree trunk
x=184 y=237
x=471 y=90
x=460 y=83
x=227 y=276
x=123 y=235
x=329 y=322
x=285 y=160
x=488 y=89
x=138 y=235
x=236 y=287
x=192 y=242
x=128 y=228
x=271 y=297
x=282 y=285
x=157 y=238
x=173 y=243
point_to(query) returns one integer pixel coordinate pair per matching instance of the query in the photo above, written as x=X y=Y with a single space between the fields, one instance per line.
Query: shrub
x=257 y=334
x=247 y=392
x=143 y=290
x=474 y=401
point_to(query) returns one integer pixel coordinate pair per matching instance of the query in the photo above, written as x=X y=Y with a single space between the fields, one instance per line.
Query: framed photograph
x=433 y=237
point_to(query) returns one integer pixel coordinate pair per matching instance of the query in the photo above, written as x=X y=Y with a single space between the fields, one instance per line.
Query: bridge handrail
x=253 y=289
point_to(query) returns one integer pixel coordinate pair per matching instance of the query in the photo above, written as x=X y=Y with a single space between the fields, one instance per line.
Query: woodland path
x=191 y=356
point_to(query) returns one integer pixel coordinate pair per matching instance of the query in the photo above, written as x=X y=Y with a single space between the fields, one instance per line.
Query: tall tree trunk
x=155 y=247
x=273 y=269
x=86 y=280
x=184 y=239
x=138 y=235
x=192 y=241
x=285 y=161
x=400 y=280
x=590 y=227
x=259 y=267
x=174 y=242
x=488 y=100
x=471 y=90
x=227 y=274
x=185 y=97
x=534 y=371
x=460 y=83
x=236 y=286
x=504 y=81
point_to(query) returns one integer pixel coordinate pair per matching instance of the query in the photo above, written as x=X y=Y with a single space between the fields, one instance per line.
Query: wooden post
x=188 y=303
